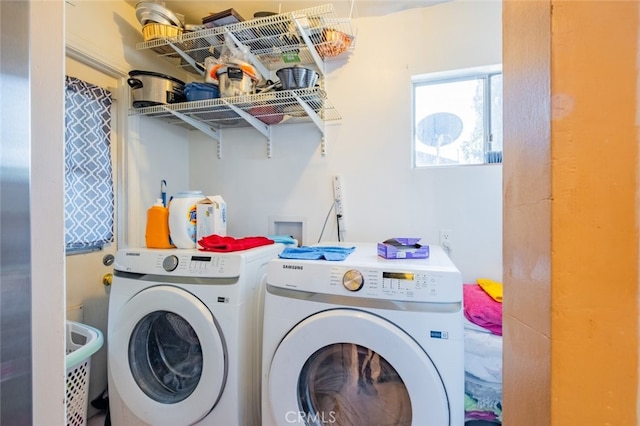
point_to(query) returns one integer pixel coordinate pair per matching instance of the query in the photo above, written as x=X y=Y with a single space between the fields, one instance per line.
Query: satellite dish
x=439 y=129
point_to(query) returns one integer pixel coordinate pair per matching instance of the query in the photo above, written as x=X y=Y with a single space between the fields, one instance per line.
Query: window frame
x=484 y=73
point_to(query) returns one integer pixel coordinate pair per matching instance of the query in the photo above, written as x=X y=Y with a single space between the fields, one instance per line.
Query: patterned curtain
x=89 y=198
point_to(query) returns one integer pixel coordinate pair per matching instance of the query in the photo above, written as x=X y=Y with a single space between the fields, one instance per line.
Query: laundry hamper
x=82 y=342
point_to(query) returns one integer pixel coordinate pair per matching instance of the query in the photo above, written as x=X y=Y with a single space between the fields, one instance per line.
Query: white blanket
x=482 y=353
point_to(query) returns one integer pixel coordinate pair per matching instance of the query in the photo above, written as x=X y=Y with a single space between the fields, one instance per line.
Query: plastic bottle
x=157 y=230
x=182 y=218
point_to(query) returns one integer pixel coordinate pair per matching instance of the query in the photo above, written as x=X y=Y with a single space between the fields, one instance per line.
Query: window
x=457 y=117
x=89 y=198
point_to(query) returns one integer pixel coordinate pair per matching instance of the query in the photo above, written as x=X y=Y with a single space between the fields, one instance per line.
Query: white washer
x=183 y=336
x=363 y=341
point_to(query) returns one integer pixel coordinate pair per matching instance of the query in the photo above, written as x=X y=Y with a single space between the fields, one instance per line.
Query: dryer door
x=167 y=356
x=349 y=367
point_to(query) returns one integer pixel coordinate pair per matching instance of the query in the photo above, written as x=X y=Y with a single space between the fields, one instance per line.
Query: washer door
x=167 y=356
x=349 y=367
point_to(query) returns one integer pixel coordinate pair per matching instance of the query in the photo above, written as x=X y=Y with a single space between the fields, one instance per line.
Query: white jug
x=183 y=218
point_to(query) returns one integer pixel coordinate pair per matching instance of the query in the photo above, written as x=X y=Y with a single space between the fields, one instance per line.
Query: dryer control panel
x=395 y=285
x=364 y=274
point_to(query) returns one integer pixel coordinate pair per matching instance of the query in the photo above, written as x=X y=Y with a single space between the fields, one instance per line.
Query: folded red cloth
x=224 y=244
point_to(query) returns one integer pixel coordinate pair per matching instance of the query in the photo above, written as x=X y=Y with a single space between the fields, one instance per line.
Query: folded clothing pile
x=317 y=253
x=483 y=351
x=220 y=243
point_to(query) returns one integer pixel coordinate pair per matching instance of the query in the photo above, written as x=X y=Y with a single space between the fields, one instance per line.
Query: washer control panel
x=180 y=263
x=199 y=265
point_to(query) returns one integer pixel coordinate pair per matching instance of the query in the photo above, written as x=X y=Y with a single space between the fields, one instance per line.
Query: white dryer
x=363 y=341
x=184 y=335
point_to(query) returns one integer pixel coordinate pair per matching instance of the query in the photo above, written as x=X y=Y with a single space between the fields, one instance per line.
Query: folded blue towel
x=284 y=239
x=316 y=253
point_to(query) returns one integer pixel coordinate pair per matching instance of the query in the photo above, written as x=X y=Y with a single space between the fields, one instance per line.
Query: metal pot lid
x=153 y=18
x=149 y=11
x=135 y=73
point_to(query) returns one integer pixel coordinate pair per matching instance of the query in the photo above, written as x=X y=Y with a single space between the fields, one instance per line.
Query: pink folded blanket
x=482 y=309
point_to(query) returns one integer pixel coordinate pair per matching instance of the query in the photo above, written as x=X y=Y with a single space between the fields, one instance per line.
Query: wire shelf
x=280 y=107
x=277 y=40
x=310 y=36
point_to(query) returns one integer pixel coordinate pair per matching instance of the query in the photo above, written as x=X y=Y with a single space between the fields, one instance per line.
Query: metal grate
x=277 y=40
x=280 y=107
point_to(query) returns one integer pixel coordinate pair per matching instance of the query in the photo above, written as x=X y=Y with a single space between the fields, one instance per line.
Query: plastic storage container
x=157 y=231
x=201 y=91
x=183 y=218
x=82 y=342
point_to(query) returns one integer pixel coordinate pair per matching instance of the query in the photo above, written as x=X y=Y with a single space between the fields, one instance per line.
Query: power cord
x=447 y=247
x=326 y=219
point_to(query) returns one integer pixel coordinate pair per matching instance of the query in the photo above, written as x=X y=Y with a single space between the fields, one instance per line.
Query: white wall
x=371 y=147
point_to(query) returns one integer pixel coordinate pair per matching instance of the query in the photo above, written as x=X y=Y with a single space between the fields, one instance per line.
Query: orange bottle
x=157 y=231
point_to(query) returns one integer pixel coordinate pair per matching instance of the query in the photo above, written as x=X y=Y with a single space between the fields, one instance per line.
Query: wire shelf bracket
x=215 y=134
x=253 y=59
x=196 y=66
x=261 y=127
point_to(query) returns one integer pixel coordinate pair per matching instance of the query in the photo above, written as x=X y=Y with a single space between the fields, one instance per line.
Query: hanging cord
x=338 y=217
x=326 y=219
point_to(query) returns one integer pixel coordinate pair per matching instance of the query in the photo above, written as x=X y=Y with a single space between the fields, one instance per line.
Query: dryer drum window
x=165 y=357
x=348 y=384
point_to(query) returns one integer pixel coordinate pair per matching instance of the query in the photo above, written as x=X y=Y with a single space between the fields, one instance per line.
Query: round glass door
x=167 y=356
x=348 y=367
x=349 y=384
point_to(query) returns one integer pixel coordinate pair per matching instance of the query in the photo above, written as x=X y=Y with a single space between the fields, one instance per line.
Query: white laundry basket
x=82 y=342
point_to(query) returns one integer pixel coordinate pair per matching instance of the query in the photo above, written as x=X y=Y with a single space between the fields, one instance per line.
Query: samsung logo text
x=298 y=267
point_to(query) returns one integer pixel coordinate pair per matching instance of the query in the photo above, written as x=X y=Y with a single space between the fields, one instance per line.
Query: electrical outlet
x=338 y=196
x=446 y=239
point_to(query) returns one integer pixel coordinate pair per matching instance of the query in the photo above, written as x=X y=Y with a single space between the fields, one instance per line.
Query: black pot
x=151 y=88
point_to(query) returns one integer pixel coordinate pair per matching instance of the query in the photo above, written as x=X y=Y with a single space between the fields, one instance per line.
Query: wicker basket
x=333 y=43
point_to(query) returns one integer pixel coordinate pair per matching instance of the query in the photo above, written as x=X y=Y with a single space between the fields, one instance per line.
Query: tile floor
x=97 y=420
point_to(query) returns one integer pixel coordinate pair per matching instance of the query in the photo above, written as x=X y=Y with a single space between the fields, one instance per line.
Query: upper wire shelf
x=277 y=40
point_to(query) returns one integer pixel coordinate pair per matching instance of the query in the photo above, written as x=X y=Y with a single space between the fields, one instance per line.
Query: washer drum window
x=165 y=357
